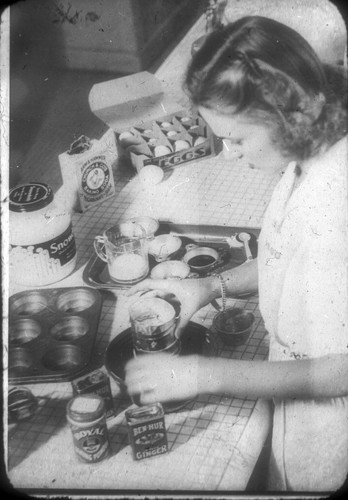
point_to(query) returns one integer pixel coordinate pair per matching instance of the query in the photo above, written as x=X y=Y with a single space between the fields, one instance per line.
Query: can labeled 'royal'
x=87 y=418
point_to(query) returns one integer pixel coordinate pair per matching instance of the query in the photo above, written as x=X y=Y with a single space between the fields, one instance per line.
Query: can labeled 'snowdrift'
x=147 y=432
x=87 y=419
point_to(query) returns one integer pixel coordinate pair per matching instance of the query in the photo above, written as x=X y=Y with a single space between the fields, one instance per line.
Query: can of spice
x=96 y=382
x=87 y=419
x=42 y=244
x=147 y=432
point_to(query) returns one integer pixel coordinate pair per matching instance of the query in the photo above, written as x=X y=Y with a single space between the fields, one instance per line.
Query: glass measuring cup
x=124 y=248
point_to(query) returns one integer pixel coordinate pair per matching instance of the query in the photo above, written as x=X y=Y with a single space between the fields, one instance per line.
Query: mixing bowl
x=233 y=325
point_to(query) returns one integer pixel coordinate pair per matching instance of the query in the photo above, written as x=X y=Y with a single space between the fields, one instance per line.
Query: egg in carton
x=170 y=141
x=52 y=333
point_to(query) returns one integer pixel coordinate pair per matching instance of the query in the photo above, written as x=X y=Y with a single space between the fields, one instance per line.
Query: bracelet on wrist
x=223 y=290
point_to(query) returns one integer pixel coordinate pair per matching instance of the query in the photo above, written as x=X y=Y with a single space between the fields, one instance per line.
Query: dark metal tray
x=52 y=333
x=96 y=271
x=195 y=339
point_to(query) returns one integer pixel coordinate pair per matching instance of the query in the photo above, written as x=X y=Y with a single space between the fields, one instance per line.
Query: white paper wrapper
x=88 y=176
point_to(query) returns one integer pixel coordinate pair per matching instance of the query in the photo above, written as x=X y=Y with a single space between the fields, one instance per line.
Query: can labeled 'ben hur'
x=147 y=432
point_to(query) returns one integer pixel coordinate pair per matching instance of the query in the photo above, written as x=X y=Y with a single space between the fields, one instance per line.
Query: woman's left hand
x=162 y=377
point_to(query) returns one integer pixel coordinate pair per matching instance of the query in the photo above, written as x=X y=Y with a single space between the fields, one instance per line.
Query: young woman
x=261 y=87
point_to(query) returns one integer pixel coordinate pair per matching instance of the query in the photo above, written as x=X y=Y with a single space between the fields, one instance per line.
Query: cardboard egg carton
x=168 y=142
x=133 y=107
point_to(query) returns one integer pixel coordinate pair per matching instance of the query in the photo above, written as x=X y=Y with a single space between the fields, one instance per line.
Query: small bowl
x=201 y=259
x=170 y=269
x=234 y=325
x=163 y=246
x=149 y=224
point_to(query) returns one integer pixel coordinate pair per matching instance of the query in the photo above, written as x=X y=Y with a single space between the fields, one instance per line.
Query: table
x=214 y=441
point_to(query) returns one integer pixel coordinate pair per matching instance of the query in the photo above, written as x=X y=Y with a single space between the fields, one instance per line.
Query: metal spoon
x=245 y=237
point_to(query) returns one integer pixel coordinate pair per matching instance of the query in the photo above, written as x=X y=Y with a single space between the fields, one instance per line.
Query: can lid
x=30 y=197
x=86 y=407
x=144 y=412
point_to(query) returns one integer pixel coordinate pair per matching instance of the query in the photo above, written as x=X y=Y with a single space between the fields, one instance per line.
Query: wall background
x=320 y=22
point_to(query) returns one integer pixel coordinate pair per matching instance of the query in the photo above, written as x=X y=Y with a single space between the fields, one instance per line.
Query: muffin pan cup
x=52 y=333
x=214 y=237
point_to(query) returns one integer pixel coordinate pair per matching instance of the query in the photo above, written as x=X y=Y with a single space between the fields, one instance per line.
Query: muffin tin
x=52 y=333
x=169 y=141
x=218 y=238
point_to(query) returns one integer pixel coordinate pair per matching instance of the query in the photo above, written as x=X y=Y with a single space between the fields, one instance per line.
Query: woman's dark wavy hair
x=266 y=70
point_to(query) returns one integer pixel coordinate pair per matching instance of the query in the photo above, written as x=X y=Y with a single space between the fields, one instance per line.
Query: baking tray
x=52 y=333
x=96 y=271
x=195 y=339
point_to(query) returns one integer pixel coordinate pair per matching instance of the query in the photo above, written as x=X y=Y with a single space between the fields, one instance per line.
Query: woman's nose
x=232 y=150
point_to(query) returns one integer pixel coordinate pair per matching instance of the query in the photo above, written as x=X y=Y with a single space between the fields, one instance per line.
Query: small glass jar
x=42 y=244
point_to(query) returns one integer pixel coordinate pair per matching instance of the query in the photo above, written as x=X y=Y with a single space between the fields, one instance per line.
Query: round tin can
x=22 y=404
x=87 y=418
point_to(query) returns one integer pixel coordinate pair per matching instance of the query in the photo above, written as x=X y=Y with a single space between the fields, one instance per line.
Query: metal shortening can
x=96 y=382
x=86 y=416
x=147 y=432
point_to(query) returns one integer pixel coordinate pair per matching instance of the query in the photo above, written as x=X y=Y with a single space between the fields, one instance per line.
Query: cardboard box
x=88 y=175
x=98 y=383
x=150 y=127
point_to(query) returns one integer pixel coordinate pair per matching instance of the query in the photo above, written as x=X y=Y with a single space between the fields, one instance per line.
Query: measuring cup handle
x=99 y=245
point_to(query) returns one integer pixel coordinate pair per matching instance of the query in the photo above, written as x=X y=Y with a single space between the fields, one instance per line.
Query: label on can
x=91 y=444
x=86 y=415
x=50 y=255
x=147 y=432
x=96 y=382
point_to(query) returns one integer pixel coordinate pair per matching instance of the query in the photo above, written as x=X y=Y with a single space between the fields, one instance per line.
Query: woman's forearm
x=302 y=379
x=239 y=280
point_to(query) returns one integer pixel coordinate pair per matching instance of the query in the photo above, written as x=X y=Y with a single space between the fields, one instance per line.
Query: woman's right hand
x=193 y=294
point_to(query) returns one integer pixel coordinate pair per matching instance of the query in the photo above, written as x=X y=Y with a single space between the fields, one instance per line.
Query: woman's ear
x=313 y=106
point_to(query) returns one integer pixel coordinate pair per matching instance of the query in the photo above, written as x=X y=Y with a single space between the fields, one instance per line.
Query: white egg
x=126 y=135
x=199 y=140
x=127 y=139
x=171 y=133
x=166 y=124
x=151 y=175
x=180 y=144
x=162 y=150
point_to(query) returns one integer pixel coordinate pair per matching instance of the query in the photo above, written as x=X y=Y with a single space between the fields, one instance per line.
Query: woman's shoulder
x=323 y=194
x=332 y=161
